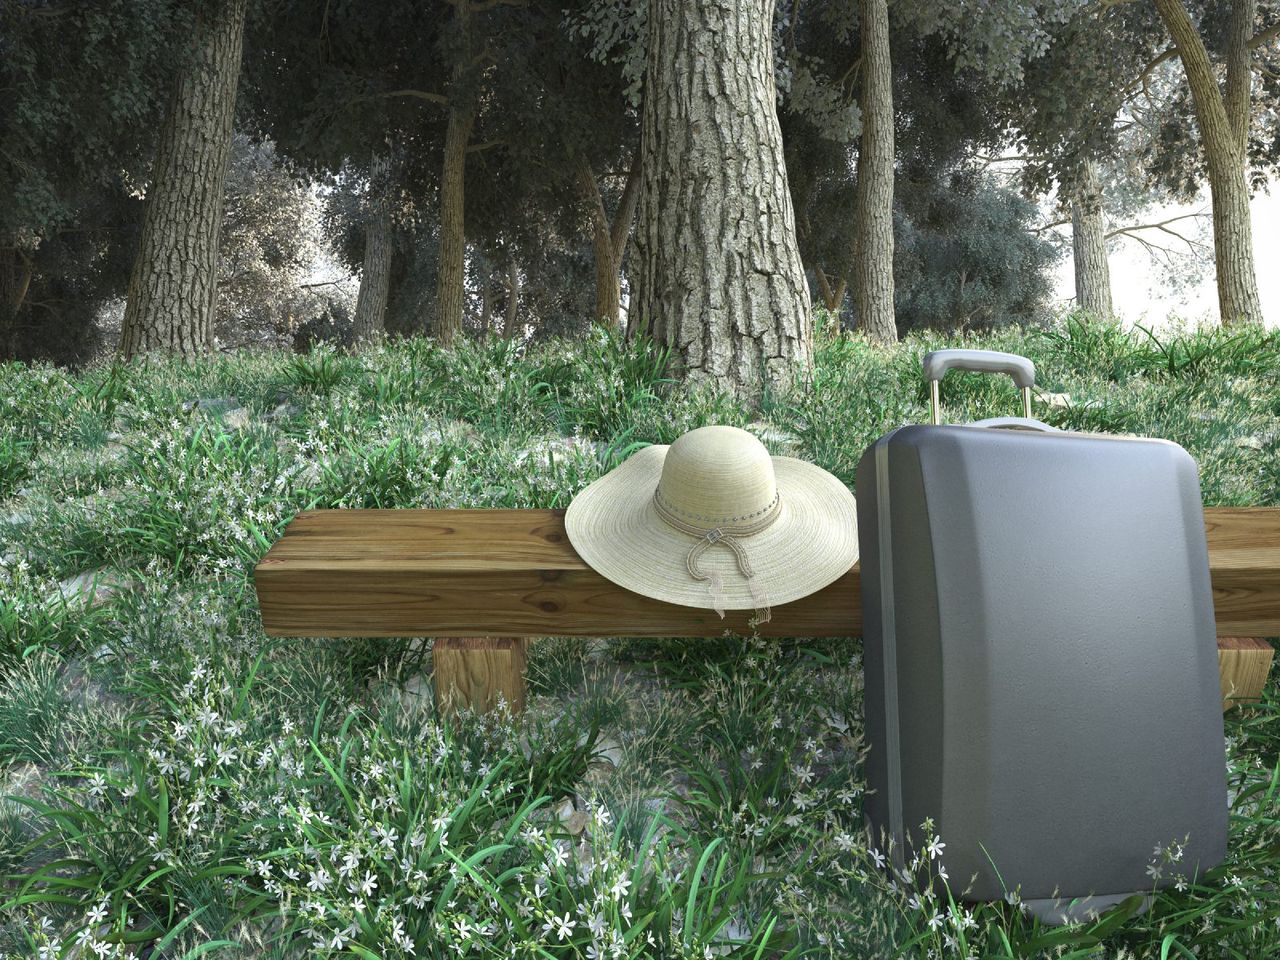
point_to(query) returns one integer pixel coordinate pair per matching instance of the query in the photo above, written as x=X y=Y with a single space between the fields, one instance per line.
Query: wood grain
x=475 y=671
x=513 y=573
x=1243 y=665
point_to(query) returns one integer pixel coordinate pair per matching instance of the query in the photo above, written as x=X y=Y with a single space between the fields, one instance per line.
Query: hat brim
x=614 y=527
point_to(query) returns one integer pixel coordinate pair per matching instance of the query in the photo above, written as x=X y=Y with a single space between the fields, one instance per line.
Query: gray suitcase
x=1041 y=666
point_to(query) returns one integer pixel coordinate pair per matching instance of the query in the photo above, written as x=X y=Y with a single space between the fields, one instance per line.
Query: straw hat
x=713 y=521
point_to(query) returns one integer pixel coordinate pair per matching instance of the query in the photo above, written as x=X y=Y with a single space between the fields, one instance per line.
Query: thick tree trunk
x=451 y=280
x=1222 y=134
x=720 y=278
x=1089 y=244
x=172 y=288
x=512 y=314
x=375 y=274
x=873 y=226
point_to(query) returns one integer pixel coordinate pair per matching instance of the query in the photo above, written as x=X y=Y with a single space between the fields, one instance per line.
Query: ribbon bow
x=729 y=536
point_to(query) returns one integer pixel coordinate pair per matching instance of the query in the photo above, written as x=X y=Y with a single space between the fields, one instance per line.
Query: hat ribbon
x=729 y=536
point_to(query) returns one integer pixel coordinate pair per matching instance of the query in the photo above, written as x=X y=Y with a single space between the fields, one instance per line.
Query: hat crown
x=717 y=475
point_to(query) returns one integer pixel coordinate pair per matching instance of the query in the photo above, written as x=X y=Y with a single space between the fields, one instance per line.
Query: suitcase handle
x=938 y=362
x=1015 y=423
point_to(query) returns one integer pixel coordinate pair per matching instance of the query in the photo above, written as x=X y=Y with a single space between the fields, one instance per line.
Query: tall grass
x=181 y=785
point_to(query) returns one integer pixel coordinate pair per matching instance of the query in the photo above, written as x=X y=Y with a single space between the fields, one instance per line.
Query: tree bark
x=451 y=280
x=1089 y=244
x=170 y=303
x=720 y=278
x=1236 y=97
x=509 y=325
x=608 y=288
x=1221 y=137
x=486 y=308
x=16 y=270
x=609 y=239
x=873 y=225
x=375 y=274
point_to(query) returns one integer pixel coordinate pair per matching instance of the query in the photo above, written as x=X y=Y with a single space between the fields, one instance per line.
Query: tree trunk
x=720 y=278
x=451 y=280
x=1089 y=244
x=172 y=288
x=486 y=308
x=509 y=325
x=873 y=225
x=1221 y=136
x=625 y=215
x=832 y=297
x=1239 y=75
x=609 y=239
x=375 y=274
x=608 y=288
x=16 y=269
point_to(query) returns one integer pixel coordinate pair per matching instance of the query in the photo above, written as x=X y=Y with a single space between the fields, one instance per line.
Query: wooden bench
x=486 y=579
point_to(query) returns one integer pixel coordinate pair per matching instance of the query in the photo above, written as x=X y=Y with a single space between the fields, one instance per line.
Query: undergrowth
x=176 y=784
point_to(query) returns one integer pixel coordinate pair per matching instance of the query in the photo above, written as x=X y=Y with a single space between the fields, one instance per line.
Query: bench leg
x=1243 y=664
x=473 y=671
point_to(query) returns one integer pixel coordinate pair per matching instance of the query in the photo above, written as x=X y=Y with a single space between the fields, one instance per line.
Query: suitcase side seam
x=889 y=647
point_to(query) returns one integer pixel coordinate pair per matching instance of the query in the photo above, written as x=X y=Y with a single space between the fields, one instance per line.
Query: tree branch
x=484 y=5
x=1144 y=78
x=416 y=94
x=1158 y=225
x=325 y=283
x=1266 y=36
x=1193 y=246
x=1049 y=226
x=620 y=229
x=487 y=145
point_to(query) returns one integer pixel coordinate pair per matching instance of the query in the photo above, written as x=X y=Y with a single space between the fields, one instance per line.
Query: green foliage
x=15 y=463
x=34 y=712
x=964 y=257
x=178 y=778
x=609 y=386
x=85 y=88
x=36 y=615
x=318 y=371
x=266 y=247
x=557 y=665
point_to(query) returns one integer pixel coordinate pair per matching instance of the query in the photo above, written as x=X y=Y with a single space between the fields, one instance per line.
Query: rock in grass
x=284 y=411
x=781 y=442
x=211 y=405
x=91 y=587
x=237 y=419
x=610 y=751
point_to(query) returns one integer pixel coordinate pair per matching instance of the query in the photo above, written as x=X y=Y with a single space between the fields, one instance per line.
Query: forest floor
x=178 y=784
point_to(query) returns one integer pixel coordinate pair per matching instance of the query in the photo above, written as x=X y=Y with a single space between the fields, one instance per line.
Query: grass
x=179 y=785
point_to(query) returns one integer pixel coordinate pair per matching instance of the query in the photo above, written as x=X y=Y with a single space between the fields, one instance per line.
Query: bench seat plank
x=513 y=573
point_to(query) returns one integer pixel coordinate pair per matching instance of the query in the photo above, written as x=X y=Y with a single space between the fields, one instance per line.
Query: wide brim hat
x=789 y=523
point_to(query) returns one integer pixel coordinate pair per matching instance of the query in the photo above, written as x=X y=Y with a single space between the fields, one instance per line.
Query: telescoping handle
x=937 y=363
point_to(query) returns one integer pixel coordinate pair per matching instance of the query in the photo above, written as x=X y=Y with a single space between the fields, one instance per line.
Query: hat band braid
x=728 y=535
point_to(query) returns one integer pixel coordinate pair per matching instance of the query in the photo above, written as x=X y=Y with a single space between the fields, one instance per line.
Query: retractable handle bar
x=937 y=363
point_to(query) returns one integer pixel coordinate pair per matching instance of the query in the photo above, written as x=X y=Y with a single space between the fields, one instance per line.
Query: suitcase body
x=1041 y=666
